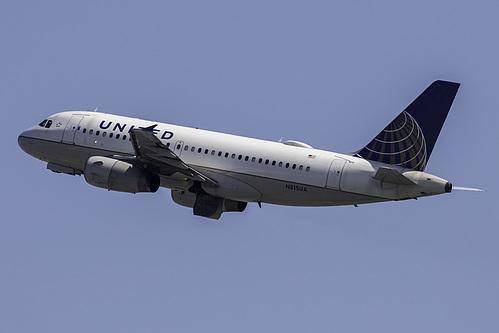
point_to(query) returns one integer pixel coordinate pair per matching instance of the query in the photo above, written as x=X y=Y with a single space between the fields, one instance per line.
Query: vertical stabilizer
x=409 y=139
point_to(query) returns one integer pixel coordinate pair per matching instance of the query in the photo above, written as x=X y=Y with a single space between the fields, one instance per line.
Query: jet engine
x=184 y=198
x=116 y=175
x=207 y=205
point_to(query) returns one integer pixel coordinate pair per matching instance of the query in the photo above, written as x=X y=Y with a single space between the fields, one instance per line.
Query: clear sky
x=75 y=258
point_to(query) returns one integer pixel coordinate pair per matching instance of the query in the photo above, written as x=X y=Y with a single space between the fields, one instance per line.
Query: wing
x=151 y=151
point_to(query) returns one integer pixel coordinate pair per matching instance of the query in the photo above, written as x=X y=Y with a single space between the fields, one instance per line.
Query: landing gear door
x=71 y=127
x=335 y=172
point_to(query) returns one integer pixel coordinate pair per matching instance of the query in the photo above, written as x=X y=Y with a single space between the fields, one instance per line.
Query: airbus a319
x=213 y=172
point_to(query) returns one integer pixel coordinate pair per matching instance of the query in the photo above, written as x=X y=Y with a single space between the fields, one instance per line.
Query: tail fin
x=409 y=139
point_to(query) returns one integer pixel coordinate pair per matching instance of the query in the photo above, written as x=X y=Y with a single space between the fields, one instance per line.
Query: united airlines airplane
x=213 y=172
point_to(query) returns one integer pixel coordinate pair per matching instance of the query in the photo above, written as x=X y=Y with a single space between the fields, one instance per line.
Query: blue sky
x=332 y=74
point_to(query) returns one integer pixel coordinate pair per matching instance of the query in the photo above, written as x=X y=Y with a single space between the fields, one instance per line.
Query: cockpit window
x=42 y=124
x=49 y=123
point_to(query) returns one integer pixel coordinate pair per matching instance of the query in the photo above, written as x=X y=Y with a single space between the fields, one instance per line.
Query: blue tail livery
x=409 y=139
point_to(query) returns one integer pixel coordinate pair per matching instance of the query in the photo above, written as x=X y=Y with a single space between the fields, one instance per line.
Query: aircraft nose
x=24 y=142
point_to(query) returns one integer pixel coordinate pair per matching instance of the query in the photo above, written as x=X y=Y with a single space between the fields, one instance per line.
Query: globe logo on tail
x=401 y=143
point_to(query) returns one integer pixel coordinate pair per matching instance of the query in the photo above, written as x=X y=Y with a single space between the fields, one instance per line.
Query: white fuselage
x=245 y=169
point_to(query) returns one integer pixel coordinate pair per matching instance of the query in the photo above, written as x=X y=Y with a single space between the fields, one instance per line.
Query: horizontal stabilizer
x=392 y=176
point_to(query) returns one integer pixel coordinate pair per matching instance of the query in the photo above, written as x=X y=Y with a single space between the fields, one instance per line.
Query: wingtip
x=149 y=128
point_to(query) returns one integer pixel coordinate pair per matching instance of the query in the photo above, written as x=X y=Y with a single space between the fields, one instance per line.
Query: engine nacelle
x=234 y=206
x=184 y=198
x=116 y=175
x=207 y=205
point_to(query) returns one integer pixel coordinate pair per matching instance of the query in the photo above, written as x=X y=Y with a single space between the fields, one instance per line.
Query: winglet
x=149 y=128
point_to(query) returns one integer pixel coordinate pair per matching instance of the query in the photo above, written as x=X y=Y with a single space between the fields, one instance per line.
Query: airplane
x=212 y=172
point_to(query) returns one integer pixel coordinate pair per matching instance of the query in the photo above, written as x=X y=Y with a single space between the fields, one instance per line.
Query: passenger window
x=260 y=160
x=287 y=165
x=42 y=124
x=226 y=155
x=273 y=163
x=193 y=149
x=104 y=134
x=253 y=159
x=219 y=153
x=49 y=123
x=118 y=136
x=280 y=164
x=199 y=150
x=110 y=135
x=240 y=157
x=206 y=151
x=294 y=166
x=213 y=152
x=301 y=167
x=246 y=158
x=91 y=131
x=267 y=161
x=97 y=133
x=84 y=130
x=186 y=148
x=124 y=137
x=233 y=156
x=307 y=169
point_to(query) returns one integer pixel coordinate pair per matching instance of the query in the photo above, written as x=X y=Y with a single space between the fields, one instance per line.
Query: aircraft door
x=335 y=172
x=178 y=147
x=71 y=127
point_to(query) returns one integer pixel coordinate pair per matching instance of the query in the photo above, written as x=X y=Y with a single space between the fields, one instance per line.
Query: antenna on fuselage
x=96 y=108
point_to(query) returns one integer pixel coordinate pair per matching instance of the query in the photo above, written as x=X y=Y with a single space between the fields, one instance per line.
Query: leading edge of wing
x=149 y=149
